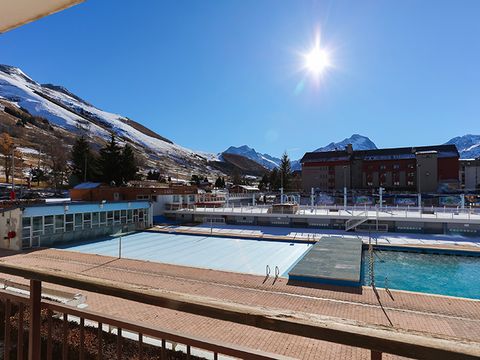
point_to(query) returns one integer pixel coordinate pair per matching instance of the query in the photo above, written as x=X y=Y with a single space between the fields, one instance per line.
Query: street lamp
x=344 y=187
x=419 y=186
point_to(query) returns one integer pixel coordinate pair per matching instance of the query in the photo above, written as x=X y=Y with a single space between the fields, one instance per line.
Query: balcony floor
x=437 y=315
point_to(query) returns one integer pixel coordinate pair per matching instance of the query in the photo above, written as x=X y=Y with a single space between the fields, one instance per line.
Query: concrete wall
x=472 y=176
x=11 y=221
x=87 y=234
x=427 y=172
x=314 y=176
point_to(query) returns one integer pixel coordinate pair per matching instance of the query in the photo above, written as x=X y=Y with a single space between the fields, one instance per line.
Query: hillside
x=62 y=115
x=233 y=162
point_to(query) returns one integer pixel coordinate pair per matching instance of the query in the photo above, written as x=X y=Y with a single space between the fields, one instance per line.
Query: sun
x=317 y=61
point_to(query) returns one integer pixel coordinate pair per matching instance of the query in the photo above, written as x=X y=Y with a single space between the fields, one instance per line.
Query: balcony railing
x=57 y=331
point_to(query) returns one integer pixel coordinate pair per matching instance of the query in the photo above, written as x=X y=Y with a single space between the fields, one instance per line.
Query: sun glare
x=317 y=60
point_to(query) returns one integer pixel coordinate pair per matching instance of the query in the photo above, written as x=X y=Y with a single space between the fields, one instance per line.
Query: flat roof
x=380 y=154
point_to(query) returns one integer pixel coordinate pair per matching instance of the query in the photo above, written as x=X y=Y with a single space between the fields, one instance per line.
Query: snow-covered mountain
x=468 y=146
x=69 y=112
x=359 y=142
x=265 y=160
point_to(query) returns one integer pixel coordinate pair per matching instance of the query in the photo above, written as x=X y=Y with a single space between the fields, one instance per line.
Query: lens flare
x=317 y=59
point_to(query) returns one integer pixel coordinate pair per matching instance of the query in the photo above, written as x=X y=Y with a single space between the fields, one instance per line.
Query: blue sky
x=210 y=74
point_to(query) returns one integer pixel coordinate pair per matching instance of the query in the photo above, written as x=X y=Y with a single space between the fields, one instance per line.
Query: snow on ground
x=26 y=150
x=308 y=233
x=18 y=88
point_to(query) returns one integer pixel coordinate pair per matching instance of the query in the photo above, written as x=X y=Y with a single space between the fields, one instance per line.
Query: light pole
x=345 y=187
x=381 y=195
x=12 y=194
x=419 y=186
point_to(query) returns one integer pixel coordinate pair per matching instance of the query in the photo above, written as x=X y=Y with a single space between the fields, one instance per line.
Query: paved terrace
x=454 y=318
x=453 y=215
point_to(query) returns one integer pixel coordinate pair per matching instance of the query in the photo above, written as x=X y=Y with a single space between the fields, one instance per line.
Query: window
x=68 y=222
x=410 y=183
x=135 y=215
x=191 y=198
x=48 y=224
x=129 y=216
x=78 y=222
x=176 y=198
x=123 y=216
x=26 y=222
x=26 y=231
x=396 y=166
x=59 y=223
x=103 y=218
x=383 y=167
x=87 y=220
x=396 y=183
x=116 y=216
x=143 y=197
x=110 y=218
x=37 y=223
x=95 y=219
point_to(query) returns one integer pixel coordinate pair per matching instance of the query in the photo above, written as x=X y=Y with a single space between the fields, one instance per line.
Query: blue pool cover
x=229 y=254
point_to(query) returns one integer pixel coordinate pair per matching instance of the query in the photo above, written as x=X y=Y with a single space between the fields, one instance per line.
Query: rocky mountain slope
x=359 y=142
x=468 y=146
x=61 y=112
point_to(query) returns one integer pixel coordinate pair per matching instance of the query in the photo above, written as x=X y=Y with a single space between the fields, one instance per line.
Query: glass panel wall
x=34 y=227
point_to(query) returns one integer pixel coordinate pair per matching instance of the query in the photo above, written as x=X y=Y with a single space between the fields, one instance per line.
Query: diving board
x=332 y=260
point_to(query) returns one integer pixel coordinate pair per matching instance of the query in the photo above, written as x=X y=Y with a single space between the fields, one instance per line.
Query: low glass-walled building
x=44 y=225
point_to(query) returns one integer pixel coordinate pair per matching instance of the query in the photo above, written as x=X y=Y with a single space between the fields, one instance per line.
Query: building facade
x=160 y=197
x=424 y=169
x=469 y=176
x=47 y=224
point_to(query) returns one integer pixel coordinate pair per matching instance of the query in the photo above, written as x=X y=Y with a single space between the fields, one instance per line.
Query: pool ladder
x=267 y=273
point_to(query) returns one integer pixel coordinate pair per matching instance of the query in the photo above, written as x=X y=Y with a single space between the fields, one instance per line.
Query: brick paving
x=435 y=315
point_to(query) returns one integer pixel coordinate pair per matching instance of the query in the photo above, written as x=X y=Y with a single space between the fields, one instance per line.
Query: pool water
x=218 y=253
x=430 y=273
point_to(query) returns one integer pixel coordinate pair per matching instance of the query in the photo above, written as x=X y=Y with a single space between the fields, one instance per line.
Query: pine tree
x=285 y=171
x=264 y=182
x=236 y=177
x=129 y=167
x=110 y=162
x=219 y=183
x=274 y=180
x=83 y=162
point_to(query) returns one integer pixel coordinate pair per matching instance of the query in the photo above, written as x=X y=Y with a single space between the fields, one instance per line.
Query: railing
x=353 y=223
x=44 y=329
x=349 y=211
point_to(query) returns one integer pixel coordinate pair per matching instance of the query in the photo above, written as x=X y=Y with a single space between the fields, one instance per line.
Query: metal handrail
x=135 y=327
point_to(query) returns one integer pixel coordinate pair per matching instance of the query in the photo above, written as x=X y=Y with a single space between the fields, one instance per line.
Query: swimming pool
x=430 y=273
x=218 y=253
